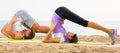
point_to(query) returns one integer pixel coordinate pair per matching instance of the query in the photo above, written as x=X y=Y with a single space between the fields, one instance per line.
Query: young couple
x=56 y=33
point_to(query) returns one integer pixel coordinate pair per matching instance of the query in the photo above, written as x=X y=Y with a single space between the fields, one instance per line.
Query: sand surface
x=32 y=47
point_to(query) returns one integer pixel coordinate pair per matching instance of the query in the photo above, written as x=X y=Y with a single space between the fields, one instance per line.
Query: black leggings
x=65 y=13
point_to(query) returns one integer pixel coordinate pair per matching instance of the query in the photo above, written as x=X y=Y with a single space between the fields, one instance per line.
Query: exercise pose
x=63 y=13
x=14 y=29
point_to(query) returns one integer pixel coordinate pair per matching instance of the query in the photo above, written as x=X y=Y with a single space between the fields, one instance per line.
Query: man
x=14 y=29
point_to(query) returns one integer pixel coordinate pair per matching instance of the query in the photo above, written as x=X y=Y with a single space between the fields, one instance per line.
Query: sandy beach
x=32 y=47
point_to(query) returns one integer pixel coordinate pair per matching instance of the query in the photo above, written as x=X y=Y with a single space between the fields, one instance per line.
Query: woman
x=59 y=32
x=63 y=13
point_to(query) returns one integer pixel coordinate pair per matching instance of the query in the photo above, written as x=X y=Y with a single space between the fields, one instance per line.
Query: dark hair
x=74 y=39
x=31 y=35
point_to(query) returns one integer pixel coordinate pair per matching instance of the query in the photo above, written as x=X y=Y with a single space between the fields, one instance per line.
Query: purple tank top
x=56 y=19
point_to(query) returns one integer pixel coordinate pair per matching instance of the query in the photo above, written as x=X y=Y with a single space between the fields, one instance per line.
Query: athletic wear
x=58 y=21
x=65 y=13
x=113 y=36
x=26 y=19
x=59 y=30
x=17 y=26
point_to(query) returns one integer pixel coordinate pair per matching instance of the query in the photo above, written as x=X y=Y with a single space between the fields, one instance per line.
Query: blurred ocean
x=72 y=27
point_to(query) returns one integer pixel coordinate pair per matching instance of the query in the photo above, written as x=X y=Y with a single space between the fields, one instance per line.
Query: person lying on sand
x=14 y=29
x=59 y=32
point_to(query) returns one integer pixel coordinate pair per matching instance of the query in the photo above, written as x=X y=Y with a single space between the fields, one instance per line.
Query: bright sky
x=95 y=10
